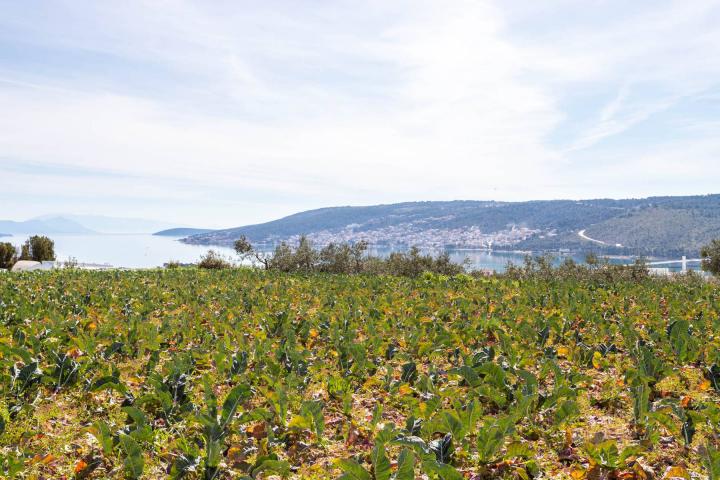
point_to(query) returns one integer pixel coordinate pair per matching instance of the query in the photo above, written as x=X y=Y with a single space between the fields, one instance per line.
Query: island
x=182 y=232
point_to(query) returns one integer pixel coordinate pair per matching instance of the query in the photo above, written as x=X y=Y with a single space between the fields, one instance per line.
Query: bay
x=148 y=251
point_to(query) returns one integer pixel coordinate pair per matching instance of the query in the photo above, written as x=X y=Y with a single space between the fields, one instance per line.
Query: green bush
x=711 y=257
x=8 y=255
x=597 y=271
x=347 y=259
x=213 y=261
x=38 y=248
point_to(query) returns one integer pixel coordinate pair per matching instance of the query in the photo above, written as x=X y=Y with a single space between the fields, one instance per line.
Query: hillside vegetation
x=238 y=373
x=652 y=226
x=683 y=230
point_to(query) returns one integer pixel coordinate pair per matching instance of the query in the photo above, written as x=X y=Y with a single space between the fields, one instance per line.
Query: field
x=245 y=374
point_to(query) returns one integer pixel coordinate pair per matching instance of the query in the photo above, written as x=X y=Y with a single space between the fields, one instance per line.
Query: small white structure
x=30 y=265
x=659 y=272
x=25 y=266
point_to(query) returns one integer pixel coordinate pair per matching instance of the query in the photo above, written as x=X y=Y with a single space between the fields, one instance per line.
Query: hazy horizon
x=232 y=113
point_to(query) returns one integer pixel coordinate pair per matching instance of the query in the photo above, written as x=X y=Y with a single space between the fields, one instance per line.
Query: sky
x=226 y=113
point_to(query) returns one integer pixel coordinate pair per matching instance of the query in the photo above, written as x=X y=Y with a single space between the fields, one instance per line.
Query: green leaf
x=444 y=471
x=443 y=448
x=711 y=460
x=405 y=466
x=137 y=416
x=183 y=465
x=279 y=467
x=213 y=453
x=469 y=375
x=380 y=462
x=387 y=434
x=236 y=396
x=605 y=453
x=210 y=398
x=134 y=462
x=491 y=438
x=409 y=373
x=104 y=436
x=567 y=411
x=416 y=443
x=377 y=414
x=313 y=410
x=353 y=470
x=518 y=450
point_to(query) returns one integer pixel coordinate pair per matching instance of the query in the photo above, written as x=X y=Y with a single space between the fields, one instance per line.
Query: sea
x=149 y=251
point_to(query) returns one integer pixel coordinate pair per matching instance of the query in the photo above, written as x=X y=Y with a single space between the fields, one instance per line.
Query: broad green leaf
x=237 y=395
x=567 y=411
x=134 y=462
x=353 y=470
x=711 y=460
x=405 y=466
x=380 y=462
x=104 y=436
x=279 y=467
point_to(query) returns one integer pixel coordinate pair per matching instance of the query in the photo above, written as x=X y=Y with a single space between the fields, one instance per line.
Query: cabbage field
x=237 y=373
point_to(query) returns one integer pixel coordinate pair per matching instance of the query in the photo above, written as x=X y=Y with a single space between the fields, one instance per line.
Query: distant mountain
x=45 y=226
x=182 y=232
x=649 y=226
x=104 y=224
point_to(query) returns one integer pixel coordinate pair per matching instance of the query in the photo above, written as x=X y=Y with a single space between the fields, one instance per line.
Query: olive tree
x=245 y=250
x=38 y=248
x=711 y=257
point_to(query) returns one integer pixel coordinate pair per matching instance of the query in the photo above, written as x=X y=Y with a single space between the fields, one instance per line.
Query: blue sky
x=226 y=113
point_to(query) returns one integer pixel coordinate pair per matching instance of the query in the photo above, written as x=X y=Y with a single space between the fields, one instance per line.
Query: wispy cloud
x=237 y=112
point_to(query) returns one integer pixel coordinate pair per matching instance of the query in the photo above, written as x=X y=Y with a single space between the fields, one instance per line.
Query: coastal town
x=412 y=234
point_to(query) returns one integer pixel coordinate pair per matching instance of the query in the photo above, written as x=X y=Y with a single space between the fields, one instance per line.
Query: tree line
x=342 y=258
x=353 y=259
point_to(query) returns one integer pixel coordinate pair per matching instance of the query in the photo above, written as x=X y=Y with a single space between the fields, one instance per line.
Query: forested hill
x=650 y=226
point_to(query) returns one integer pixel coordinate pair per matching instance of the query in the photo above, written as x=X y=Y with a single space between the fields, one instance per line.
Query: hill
x=182 y=232
x=44 y=226
x=105 y=224
x=649 y=226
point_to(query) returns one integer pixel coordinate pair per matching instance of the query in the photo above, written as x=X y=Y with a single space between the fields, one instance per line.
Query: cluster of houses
x=418 y=234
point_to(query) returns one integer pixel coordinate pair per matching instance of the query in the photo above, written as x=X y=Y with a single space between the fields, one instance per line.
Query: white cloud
x=343 y=102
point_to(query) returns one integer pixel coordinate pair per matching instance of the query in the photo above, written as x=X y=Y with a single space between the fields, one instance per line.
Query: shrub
x=711 y=257
x=214 y=261
x=38 y=248
x=8 y=255
x=597 y=271
x=413 y=263
x=71 y=262
x=343 y=257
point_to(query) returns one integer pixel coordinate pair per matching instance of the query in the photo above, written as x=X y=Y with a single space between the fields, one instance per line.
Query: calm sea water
x=122 y=250
x=147 y=251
